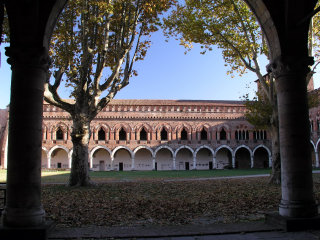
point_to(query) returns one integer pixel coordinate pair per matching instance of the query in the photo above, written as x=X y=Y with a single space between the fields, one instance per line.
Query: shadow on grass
x=56 y=176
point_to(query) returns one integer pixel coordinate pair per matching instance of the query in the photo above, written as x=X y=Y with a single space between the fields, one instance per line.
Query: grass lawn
x=63 y=176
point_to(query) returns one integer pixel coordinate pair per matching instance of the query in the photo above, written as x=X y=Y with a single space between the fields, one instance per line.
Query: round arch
x=161 y=147
x=261 y=146
x=184 y=146
x=143 y=160
x=224 y=146
x=97 y=148
x=100 y=162
x=241 y=160
x=60 y=162
x=57 y=147
x=204 y=146
x=243 y=146
x=203 y=160
x=121 y=147
x=224 y=157
x=142 y=147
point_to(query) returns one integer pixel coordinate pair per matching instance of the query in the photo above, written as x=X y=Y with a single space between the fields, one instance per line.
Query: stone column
x=270 y=161
x=132 y=163
x=49 y=161
x=174 y=163
x=29 y=71
x=214 y=162
x=252 y=162
x=194 y=162
x=153 y=163
x=296 y=165
x=317 y=158
x=233 y=161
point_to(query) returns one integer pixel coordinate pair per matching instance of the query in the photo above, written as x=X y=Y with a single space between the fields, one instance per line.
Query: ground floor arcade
x=164 y=157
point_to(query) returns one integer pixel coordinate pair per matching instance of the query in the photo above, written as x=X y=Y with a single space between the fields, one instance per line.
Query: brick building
x=162 y=135
x=158 y=135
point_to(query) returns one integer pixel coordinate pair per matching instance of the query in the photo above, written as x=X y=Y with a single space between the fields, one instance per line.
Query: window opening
x=101 y=135
x=223 y=134
x=143 y=134
x=184 y=135
x=59 y=134
x=122 y=135
x=164 y=134
x=204 y=134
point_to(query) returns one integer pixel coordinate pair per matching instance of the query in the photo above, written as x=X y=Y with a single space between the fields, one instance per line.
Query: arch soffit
x=142 y=147
x=261 y=146
x=162 y=147
x=58 y=147
x=267 y=25
x=97 y=148
x=184 y=146
x=202 y=147
x=243 y=146
x=122 y=147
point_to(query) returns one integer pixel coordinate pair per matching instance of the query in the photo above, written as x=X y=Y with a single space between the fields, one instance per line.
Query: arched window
x=59 y=134
x=143 y=134
x=184 y=135
x=264 y=134
x=223 y=134
x=122 y=135
x=101 y=135
x=236 y=135
x=247 y=135
x=164 y=134
x=203 y=134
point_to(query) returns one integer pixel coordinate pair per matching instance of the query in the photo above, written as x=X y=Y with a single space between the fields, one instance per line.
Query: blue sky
x=167 y=73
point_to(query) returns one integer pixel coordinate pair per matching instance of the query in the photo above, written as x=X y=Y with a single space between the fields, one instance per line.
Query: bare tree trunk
x=80 y=138
x=275 y=177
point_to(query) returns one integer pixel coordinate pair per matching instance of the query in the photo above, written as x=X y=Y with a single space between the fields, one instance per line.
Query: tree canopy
x=95 y=45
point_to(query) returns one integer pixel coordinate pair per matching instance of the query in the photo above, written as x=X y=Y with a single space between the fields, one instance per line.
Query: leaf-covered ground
x=158 y=202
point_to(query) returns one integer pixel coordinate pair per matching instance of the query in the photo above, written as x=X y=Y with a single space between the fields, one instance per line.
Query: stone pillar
x=194 y=162
x=29 y=71
x=296 y=165
x=270 y=161
x=49 y=161
x=233 y=161
x=174 y=163
x=317 y=158
x=132 y=163
x=214 y=162
x=252 y=162
x=112 y=160
x=153 y=163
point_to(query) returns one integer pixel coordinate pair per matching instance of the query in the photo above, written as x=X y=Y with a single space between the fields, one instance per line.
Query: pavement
x=237 y=231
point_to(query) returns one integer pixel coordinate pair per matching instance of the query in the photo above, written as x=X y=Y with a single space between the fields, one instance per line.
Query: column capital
x=34 y=57
x=285 y=65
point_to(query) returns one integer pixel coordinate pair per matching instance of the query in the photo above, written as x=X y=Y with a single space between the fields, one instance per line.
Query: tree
x=93 y=50
x=230 y=25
